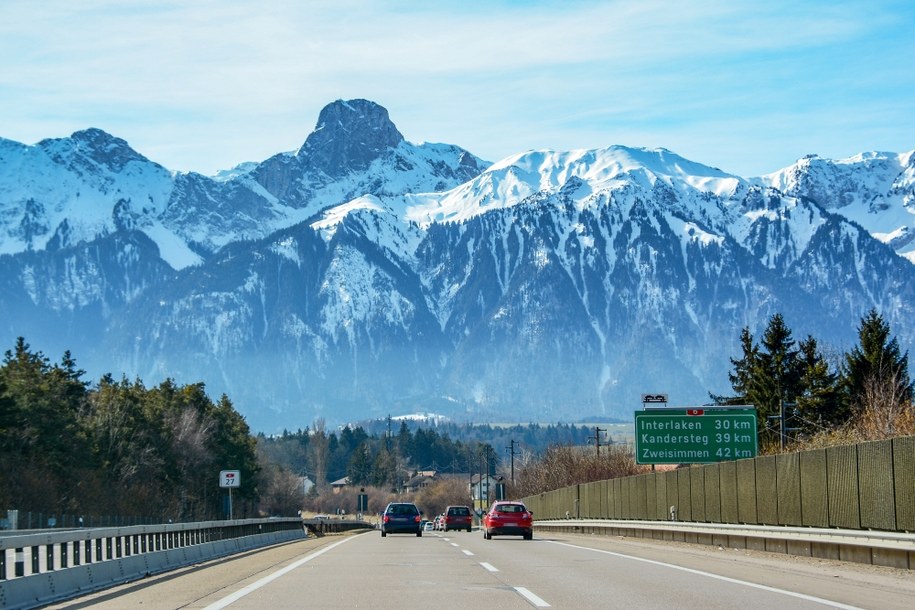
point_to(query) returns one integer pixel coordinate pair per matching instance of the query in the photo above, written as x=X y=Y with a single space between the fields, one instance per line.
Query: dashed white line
x=466 y=552
x=489 y=566
x=537 y=601
x=455 y=544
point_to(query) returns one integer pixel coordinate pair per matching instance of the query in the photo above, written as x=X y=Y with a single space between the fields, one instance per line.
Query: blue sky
x=201 y=85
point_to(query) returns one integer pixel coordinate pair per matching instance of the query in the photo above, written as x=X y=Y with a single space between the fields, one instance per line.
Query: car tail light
x=387 y=518
x=417 y=518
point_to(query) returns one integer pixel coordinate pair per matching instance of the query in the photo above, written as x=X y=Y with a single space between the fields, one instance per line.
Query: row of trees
x=867 y=389
x=378 y=454
x=116 y=447
x=383 y=461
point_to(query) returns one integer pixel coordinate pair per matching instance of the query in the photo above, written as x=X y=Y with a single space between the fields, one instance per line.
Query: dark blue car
x=401 y=518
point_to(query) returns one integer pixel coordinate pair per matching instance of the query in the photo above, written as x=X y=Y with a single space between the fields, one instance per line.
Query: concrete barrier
x=890 y=549
x=106 y=557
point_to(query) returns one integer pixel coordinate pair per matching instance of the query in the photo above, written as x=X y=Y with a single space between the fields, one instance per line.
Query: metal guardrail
x=319 y=527
x=891 y=549
x=38 y=568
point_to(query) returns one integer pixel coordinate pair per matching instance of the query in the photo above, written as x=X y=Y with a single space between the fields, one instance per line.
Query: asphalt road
x=461 y=570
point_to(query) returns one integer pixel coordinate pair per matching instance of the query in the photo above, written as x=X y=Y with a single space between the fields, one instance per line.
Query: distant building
x=485 y=490
x=423 y=478
x=339 y=484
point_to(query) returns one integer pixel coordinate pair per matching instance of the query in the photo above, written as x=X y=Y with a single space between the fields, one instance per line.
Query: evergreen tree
x=742 y=376
x=876 y=362
x=359 y=468
x=819 y=405
x=767 y=375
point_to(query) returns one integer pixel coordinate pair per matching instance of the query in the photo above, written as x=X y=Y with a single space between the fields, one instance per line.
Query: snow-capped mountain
x=363 y=274
x=875 y=190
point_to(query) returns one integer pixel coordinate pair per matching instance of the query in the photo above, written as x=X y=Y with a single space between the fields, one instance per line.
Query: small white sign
x=229 y=478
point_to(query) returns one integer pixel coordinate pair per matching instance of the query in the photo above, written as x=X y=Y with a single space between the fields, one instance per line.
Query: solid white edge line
x=753 y=585
x=271 y=577
x=532 y=598
x=489 y=566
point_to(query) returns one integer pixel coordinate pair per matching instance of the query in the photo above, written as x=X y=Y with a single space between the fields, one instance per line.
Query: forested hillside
x=116 y=447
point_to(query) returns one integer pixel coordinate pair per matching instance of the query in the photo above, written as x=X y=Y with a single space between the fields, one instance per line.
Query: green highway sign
x=694 y=436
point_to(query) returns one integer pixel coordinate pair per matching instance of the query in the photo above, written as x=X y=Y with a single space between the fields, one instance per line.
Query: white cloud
x=205 y=84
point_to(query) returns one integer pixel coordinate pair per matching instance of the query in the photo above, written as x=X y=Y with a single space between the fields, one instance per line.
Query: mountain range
x=363 y=275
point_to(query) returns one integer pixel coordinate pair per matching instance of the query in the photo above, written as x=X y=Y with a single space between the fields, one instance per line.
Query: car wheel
x=383 y=533
x=419 y=534
x=529 y=536
x=468 y=530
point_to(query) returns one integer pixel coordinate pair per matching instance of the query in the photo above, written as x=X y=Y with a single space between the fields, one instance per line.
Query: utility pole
x=511 y=449
x=596 y=438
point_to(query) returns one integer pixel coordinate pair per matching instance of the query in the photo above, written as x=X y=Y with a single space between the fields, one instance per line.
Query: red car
x=457 y=518
x=508 y=519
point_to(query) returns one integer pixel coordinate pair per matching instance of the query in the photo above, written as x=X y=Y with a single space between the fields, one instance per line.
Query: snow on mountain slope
x=362 y=270
x=61 y=192
x=515 y=178
x=875 y=190
x=65 y=191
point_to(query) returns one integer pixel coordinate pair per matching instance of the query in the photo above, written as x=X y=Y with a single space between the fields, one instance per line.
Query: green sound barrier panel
x=904 y=482
x=813 y=488
x=842 y=477
x=875 y=483
x=766 y=491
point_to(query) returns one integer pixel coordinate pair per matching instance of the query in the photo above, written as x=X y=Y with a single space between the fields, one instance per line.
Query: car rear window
x=510 y=508
x=460 y=510
x=403 y=509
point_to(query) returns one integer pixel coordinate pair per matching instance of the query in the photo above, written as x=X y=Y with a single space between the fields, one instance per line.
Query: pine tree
x=768 y=374
x=359 y=468
x=742 y=377
x=876 y=362
x=819 y=405
x=777 y=376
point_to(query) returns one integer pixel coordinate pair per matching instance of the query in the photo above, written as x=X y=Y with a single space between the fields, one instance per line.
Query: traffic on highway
x=461 y=570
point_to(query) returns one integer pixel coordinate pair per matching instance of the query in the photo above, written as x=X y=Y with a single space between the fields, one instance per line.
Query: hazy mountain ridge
x=362 y=274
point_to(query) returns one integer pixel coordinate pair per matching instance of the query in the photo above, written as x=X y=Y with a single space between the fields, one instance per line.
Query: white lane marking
x=271 y=577
x=489 y=566
x=753 y=585
x=466 y=552
x=532 y=598
x=455 y=544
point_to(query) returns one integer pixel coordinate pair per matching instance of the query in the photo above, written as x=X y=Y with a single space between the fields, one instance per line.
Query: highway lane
x=461 y=570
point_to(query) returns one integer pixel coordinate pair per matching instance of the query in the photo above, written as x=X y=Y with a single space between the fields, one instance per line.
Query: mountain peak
x=95 y=144
x=350 y=134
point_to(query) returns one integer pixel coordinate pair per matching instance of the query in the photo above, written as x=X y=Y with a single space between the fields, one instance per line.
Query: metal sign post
x=230 y=479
